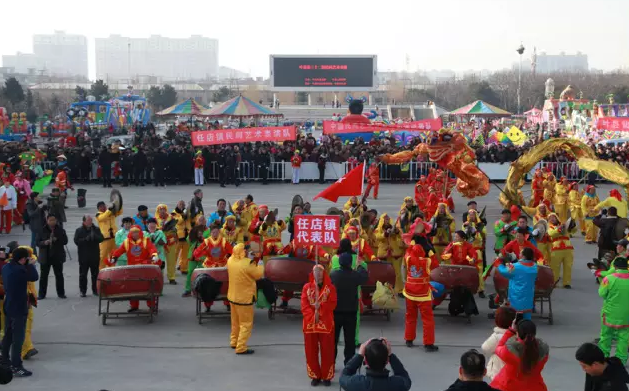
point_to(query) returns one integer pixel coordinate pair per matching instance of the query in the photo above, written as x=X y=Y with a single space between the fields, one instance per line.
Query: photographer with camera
x=52 y=254
x=521 y=275
x=36 y=210
x=376 y=353
x=612 y=229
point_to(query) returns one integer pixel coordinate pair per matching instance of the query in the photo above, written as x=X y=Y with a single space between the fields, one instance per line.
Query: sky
x=447 y=34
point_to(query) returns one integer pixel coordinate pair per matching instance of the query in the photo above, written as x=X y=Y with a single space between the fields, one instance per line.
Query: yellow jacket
x=387 y=245
x=243 y=274
x=233 y=236
x=183 y=225
x=560 y=240
x=621 y=206
x=273 y=231
x=574 y=199
x=561 y=194
x=588 y=206
x=348 y=207
x=106 y=221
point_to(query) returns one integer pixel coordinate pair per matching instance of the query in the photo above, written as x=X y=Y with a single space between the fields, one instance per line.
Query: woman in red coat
x=524 y=356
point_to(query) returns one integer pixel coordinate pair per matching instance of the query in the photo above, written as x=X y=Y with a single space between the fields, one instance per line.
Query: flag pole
x=362 y=189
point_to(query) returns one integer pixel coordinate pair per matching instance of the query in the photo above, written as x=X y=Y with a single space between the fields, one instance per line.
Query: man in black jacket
x=376 y=353
x=471 y=373
x=126 y=165
x=601 y=374
x=36 y=210
x=159 y=166
x=196 y=206
x=140 y=162
x=104 y=160
x=346 y=281
x=87 y=239
x=263 y=161
x=612 y=229
x=52 y=255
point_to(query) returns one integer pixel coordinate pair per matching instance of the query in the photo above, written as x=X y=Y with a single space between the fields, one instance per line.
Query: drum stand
x=152 y=295
x=201 y=314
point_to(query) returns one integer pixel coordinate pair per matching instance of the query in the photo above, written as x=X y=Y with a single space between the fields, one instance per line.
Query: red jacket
x=139 y=252
x=327 y=304
x=199 y=161
x=418 y=268
x=460 y=253
x=306 y=252
x=295 y=161
x=510 y=377
x=514 y=247
x=215 y=252
x=373 y=174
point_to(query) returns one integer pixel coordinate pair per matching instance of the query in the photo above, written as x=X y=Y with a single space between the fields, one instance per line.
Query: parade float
x=18 y=123
x=130 y=109
x=570 y=112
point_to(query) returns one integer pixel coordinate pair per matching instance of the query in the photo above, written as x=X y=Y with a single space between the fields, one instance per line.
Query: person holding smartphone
x=521 y=276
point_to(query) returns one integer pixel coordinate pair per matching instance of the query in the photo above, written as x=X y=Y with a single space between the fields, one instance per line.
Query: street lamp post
x=520 y=51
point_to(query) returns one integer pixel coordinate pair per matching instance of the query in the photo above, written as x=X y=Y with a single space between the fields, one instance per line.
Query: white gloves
x=155 y=259
x=535 y=232
x=260 y=263
x=593 y=271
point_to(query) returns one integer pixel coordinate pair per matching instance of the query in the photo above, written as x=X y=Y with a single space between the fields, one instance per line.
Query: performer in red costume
x=139 y=251
x=373 y=180
x=355 y=115
x=421 y=193
x=296 y=250
x=418 y=293
x=460 y=251
x=537 y=186
x=216 y=250
x=516 y=245
x=432 y=202
x=257 y=221
x=318 y=301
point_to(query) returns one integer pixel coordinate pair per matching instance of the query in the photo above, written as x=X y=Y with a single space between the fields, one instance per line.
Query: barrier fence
x=412 y=171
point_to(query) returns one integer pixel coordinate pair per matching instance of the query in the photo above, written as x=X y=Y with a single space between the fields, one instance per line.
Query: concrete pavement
x=175 y=352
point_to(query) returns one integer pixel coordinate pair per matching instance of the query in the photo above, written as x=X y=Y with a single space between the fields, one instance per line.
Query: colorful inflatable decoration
x=450 y=151
x=526 y=162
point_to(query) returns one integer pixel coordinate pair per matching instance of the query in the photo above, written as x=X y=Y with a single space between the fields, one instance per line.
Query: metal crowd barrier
x=411 y=171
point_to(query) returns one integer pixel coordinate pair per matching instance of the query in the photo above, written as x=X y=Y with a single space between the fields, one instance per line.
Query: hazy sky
x=442 y=34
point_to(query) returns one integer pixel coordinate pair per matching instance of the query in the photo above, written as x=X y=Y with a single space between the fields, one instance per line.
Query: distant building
x=550 y=63
x=170 y=59
x=57 y=54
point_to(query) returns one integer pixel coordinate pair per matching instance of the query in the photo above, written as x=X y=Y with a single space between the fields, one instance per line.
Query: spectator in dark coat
x=606 y=221
x=104 y=160
x=376 y=353
x=471 y=373
x=140 y=161
x=160 y=161
x=52 y=255
x=346 y=281
x=126 y=165
x=15 y=276
x=55 y=206
x=87 y=239
x=35 y=209
x=601 y=374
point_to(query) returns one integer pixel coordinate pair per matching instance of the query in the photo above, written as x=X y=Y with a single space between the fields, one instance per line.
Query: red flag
x=350 y=184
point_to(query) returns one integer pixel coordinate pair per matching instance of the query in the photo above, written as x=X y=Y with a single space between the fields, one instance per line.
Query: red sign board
x=317 y=230
x=613 y=123
x=244 y=135
x=333 y=127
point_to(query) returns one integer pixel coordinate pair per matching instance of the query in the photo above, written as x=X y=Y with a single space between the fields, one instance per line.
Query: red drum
x=130 y=281
x=456 y=275
x=217 y=273
x=288 y=273
x=378 y=271
x=544 y=284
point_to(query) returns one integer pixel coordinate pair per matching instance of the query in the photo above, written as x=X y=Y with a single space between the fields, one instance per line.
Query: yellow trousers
x=106 y=248
x=171 y=262
x=577 y=216
x=544 y=248
x=397 y=265
x=565 y=258
x=242 y=324
x=438 y=251
x=591 y=231
x=28 y=340
x=562 y=212
x=182 y=251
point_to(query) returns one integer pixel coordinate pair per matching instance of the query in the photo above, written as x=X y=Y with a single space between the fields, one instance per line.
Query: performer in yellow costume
x=243 y=274
x=614 y=199
x=588 y=209
x=475 y=231
x=446 y=226
x=354 y=207
x=561 y=251
x=561 y=199
x=541 y=213
x=549 y=184
x=231 y=232
x=390 y=247
x=164 y=222
x=270 y=232
x=183 y=229
x=108 y=227
x=574 y=201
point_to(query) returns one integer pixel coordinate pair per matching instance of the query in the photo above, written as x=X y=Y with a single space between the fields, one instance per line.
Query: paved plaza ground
x=176 y=353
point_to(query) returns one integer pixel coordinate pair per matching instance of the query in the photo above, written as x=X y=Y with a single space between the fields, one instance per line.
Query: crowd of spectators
x=173 y=154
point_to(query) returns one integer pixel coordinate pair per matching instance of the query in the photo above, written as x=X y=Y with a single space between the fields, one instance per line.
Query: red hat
x=616 y=194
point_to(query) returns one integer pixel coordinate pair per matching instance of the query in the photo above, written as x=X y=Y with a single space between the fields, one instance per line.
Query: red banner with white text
x=333 y=127
x=613 y=123
x=244 y=135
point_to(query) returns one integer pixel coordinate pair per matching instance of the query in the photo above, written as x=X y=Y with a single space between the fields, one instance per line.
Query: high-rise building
x=124 y=58
x=549 y=63
x=57 y=54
